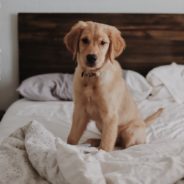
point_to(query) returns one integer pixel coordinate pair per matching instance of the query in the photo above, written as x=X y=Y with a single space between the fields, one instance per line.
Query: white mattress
x=56 y=117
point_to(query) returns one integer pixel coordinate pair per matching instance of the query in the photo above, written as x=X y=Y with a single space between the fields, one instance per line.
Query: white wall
x=8 y=27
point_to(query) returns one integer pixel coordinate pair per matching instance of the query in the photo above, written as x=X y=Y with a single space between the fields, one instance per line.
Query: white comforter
x=33 y=155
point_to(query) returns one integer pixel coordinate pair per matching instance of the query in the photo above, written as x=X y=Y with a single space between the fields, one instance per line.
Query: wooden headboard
x=152 y=40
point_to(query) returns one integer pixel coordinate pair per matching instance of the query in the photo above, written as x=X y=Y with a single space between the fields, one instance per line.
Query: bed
x=36 y=152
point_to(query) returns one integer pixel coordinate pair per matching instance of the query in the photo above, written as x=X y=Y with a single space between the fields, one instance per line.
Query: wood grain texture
x=152 y=40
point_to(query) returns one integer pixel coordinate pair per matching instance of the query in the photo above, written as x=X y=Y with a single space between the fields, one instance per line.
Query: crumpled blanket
x=167 y=82
x=34 y=155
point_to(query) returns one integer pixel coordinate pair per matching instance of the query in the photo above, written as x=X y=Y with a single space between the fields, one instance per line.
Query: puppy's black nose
x=91 y=59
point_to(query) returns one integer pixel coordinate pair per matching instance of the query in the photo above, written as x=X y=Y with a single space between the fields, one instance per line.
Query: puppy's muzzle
x=91 y=60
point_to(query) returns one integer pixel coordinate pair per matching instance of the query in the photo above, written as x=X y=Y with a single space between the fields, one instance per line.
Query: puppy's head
x=94 y=43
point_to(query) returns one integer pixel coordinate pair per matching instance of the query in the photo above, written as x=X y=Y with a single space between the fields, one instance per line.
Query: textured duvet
x=34 y=155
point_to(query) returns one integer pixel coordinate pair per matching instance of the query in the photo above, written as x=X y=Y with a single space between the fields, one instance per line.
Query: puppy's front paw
x=106 y=148
x=71 y=141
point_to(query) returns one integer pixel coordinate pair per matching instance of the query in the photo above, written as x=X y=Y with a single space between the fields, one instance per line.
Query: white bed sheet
x=56 y=116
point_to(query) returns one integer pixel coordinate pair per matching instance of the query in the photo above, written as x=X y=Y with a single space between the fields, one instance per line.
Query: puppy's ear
x=71 y=39
x=117 y=43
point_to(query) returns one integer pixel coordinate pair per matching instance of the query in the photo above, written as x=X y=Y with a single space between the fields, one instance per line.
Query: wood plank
x=152 y=40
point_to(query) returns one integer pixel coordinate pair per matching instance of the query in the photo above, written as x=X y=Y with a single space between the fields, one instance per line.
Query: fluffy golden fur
x=100 y=92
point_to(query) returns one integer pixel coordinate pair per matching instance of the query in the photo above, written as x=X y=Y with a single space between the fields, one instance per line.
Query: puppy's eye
x=85 y=40
x=102 y=43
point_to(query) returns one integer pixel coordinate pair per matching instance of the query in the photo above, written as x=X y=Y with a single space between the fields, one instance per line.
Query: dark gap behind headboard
x=152 y=40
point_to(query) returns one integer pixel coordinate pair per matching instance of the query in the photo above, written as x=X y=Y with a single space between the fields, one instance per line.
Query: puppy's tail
x=150 y=119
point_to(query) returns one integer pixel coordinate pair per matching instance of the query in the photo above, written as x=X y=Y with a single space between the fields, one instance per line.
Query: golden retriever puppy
x=100 y=92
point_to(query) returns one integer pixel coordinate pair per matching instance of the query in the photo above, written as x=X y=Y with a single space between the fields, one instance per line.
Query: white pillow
x=137 y=84
x=47 y=87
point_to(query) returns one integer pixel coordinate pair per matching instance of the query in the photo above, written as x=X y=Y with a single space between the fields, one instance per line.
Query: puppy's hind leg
x=79 y=124
x=132 y=134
